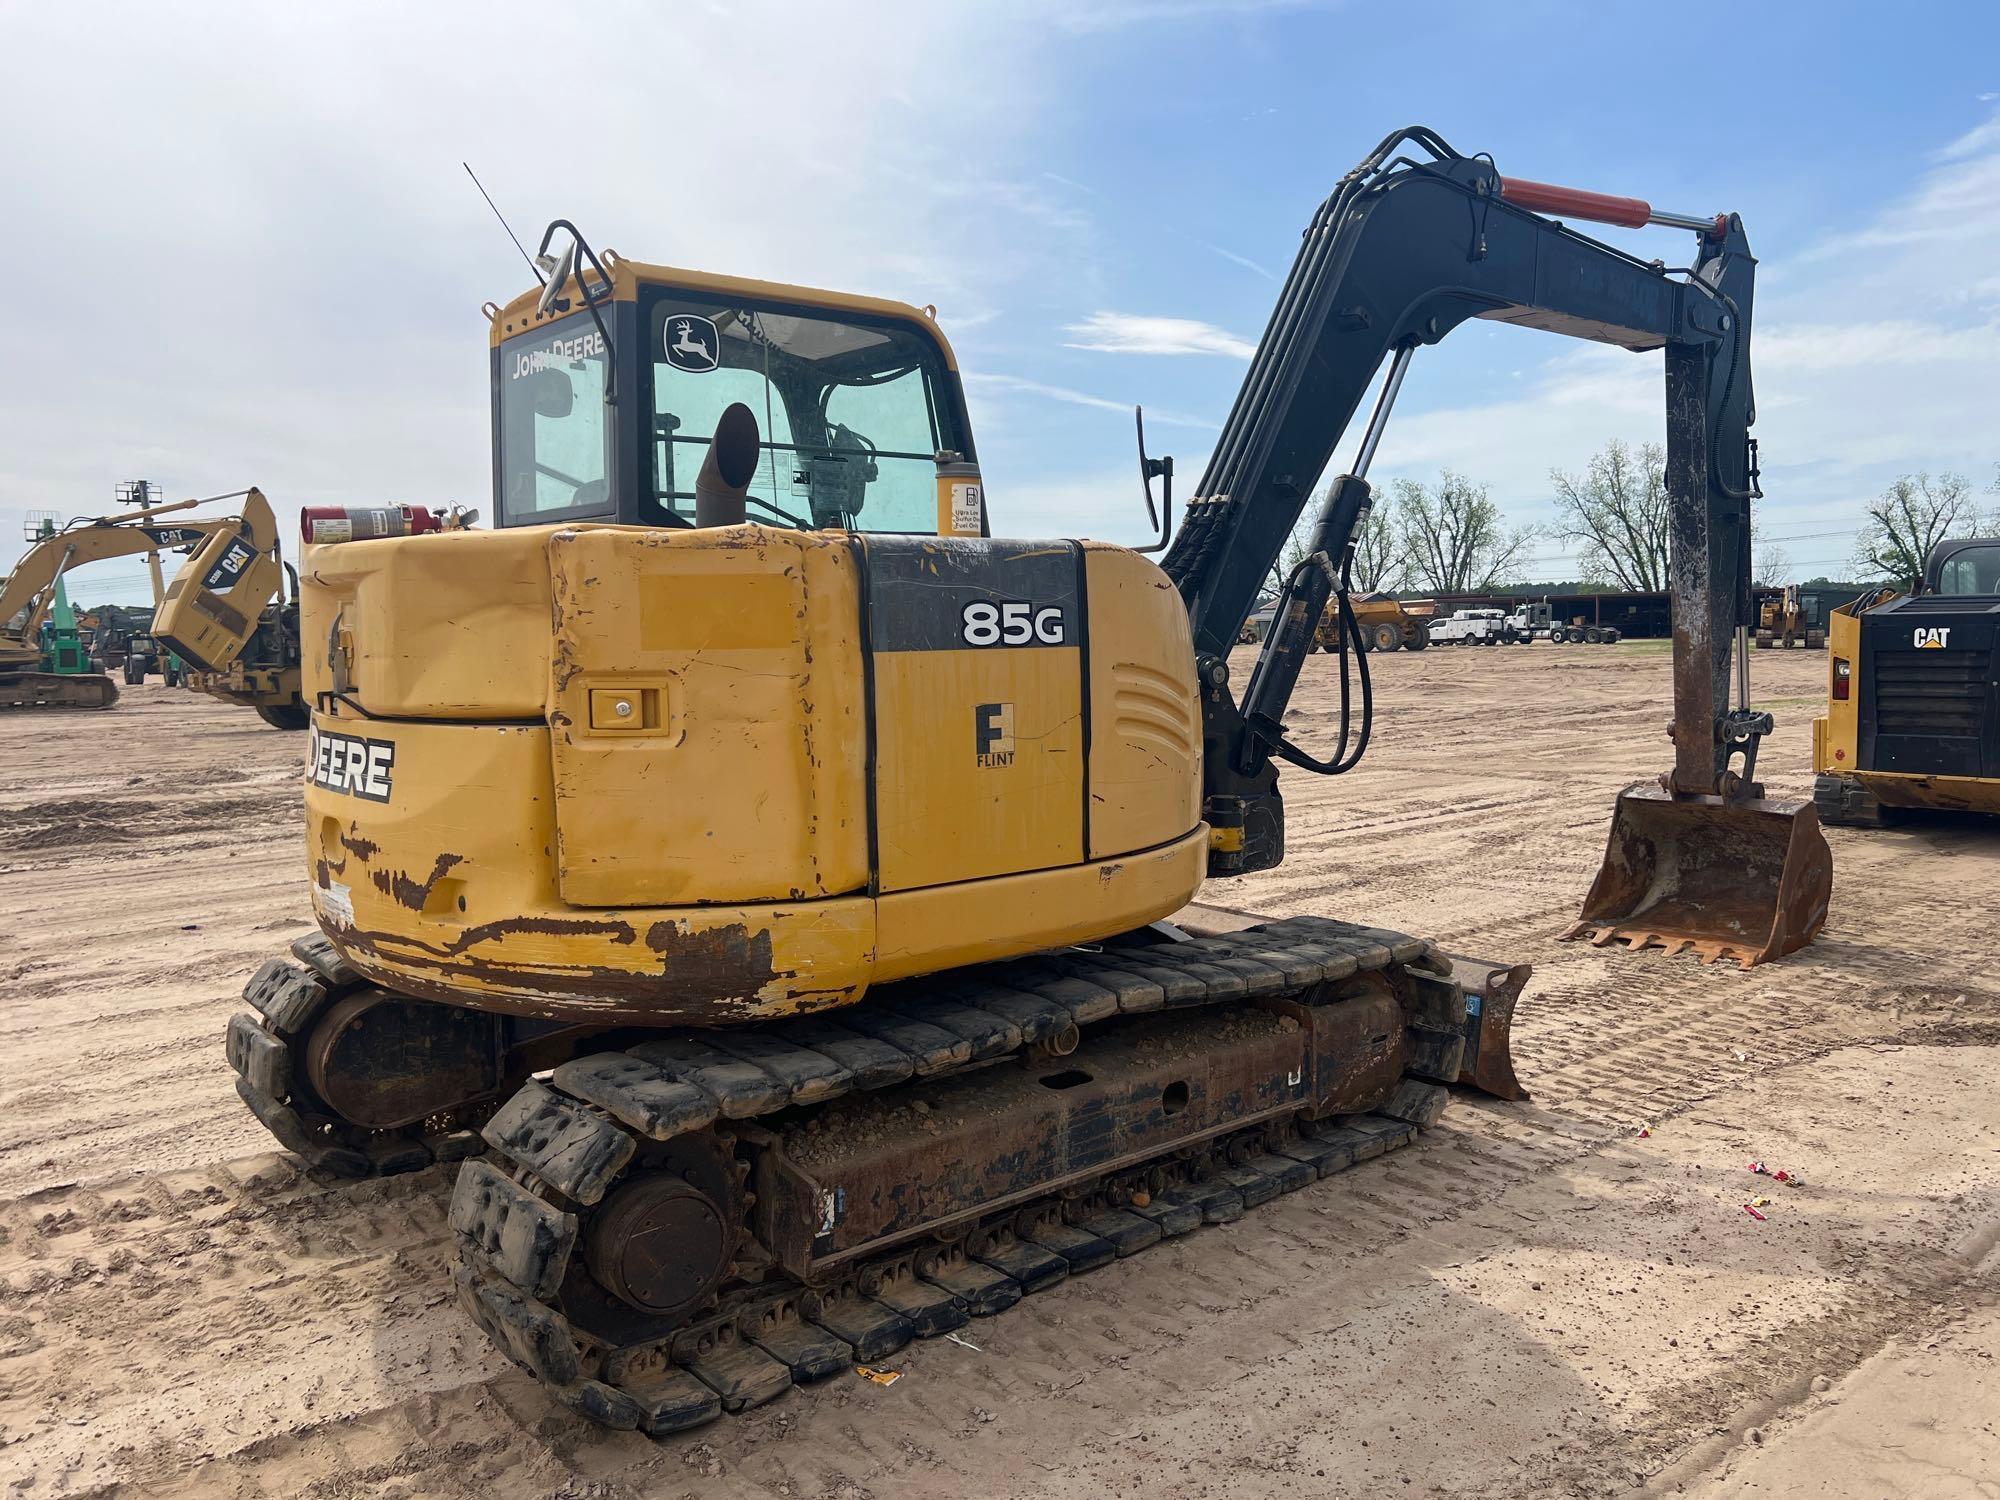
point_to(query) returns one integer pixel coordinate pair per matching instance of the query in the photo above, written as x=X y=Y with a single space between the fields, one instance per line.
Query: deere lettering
x=349 y=765
x=561 y=352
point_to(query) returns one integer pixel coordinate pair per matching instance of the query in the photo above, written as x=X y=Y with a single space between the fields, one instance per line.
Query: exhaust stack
x=722 y=489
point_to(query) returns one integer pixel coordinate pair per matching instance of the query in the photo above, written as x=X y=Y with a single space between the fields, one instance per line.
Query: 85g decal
x=1012 y=622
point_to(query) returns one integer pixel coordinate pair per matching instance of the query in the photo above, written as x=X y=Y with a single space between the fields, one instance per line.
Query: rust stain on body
x=408 y=892
x=362 y=849
x=617 y=931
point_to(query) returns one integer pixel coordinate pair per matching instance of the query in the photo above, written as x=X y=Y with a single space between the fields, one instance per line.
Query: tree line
x=1450 y=537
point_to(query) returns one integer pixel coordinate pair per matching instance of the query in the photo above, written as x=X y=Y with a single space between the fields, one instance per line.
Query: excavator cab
x=610 y=386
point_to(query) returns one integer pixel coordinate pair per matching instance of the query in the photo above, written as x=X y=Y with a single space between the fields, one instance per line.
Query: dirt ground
x=1536 y=1300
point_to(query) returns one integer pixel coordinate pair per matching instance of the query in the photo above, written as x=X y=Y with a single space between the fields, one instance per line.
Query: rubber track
x=265 y=1052
x=559 y=1148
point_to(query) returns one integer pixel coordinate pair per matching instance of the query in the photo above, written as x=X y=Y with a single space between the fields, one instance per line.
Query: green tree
x=1453 y=538
x=1617 y=510
x=1912 y=516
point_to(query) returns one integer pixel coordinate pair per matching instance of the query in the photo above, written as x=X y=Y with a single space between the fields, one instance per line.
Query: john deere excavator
x=771 y=871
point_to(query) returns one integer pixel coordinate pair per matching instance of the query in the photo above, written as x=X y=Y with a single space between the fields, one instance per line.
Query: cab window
x=851 y=412
x=555 y=429
x=1971 y=570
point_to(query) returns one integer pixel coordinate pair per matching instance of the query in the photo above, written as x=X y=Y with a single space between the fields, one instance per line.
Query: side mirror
x=559 y=274
x=1149 y=470
x=551 y=393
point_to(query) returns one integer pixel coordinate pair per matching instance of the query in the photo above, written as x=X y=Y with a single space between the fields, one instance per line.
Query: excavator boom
x=28 y=595
x=214 y=607
x=1402 y=252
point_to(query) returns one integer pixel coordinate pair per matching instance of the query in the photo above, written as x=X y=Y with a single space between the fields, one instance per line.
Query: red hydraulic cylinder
x=1603 y=208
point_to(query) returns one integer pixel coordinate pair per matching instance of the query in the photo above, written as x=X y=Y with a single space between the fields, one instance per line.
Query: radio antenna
x=539 y=277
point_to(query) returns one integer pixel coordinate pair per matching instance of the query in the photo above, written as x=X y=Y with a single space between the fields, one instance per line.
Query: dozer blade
x=1747 y=880
x=1490 y=992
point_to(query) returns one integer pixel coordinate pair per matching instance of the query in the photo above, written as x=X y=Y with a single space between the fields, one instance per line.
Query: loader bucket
x=1747 y=880
x=1490 y=989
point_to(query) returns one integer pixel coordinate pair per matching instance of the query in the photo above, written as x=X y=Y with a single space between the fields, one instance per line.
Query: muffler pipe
x=722 y=488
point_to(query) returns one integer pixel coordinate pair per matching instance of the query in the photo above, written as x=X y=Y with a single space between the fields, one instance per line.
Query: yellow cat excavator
x=224 y=613
x=28 y=593
x=785 y=883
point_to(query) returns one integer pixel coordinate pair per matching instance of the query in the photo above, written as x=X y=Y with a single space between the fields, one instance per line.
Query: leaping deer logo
x=694 y=344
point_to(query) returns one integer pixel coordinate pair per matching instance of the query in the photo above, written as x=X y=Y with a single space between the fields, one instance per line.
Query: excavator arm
x=1407 y=248
x=213 y=605
x=28 y=592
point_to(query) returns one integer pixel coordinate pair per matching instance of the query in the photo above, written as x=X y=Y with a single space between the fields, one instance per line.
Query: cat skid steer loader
x=787 y=884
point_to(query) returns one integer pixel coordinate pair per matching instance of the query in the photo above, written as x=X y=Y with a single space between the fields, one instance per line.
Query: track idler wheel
x=355 y=1081
x=660 y=1244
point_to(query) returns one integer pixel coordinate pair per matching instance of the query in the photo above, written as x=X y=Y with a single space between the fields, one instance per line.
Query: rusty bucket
x=1748 y=880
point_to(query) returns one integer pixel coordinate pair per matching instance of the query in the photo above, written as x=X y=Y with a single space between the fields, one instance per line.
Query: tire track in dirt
x=227 y=1327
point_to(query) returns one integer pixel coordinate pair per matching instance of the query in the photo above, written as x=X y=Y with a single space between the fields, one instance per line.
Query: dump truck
x=1912 y=716
x=1387 y=623
x=777 y=892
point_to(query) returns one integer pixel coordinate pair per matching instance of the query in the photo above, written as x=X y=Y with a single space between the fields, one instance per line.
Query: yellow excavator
x=28 y=594
x=776 y=890
x=224 y=613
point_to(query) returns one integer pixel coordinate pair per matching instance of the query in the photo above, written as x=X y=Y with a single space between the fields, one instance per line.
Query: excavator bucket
x=1490 y=989
x=1747 y=880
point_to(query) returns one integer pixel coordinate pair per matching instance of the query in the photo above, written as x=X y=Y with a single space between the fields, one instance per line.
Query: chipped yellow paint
x=703 y=855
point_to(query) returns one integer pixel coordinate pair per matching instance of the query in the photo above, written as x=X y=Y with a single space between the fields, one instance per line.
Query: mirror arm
x=1150 y=469
x=590 y=302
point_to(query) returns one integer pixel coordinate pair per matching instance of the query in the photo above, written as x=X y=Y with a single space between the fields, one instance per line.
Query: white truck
x=1533 y=622
x=1470 y=627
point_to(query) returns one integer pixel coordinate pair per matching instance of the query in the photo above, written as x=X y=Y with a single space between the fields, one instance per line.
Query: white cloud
x=1241 y=260
x=1014 y=384
x=264 y=264
x=1129 y=333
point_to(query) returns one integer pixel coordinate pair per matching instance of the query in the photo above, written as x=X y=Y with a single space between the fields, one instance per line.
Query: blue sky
x=263 y=264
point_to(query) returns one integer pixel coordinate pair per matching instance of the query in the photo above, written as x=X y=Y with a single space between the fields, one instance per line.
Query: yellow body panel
x=961 y=795
x=447 y=889
x=943 y=927
x=1145 y=715
x=1837 y=732
x=736 y=771
x=706 y=855
x=452 y=625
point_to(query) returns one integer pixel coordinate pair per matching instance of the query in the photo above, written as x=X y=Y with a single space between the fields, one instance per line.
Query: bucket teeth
x=1747 y=880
